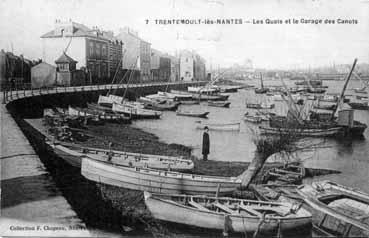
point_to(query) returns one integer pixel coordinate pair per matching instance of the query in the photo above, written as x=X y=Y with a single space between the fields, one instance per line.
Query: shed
x=43 y=75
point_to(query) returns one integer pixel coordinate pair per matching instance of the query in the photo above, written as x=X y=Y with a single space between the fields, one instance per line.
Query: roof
x=64 y=58
x=79 y=30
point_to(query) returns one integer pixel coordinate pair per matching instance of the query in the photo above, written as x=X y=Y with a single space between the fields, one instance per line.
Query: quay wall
x=42 y=188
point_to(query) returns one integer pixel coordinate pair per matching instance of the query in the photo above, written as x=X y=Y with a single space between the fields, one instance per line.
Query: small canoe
x=229 y=214
x=73 y=154
x=158 y=181
x=343 y=211
x=192 y=114
x=219 y=126
x=218 y=104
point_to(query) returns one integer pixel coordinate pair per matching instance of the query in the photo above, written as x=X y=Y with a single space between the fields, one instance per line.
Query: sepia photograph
x=184 y=118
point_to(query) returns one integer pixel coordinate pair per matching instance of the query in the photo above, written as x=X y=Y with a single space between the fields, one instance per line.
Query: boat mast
x=344 y=89
x=261 y=81
x=129 y=79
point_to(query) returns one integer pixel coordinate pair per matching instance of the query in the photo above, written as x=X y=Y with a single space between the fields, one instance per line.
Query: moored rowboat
x=344 y=210
x=135 y=112
x=301 y=132
x=192 y=114
x=219 y=126
x=229 y=214
x=73 y=154
x=157 y=181
x=219 y=104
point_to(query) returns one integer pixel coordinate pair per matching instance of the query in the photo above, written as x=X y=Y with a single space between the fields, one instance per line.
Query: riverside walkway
x=12 y=95
x=31 y=203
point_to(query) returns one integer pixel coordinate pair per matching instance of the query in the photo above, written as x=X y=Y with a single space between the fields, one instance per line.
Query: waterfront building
x=174 y=68
x=186 y=64
x=137 y=53
x=160 y=66
x=96 y=51
x=191 y=66
x=199 y=68
x=67 y=73
x=43 y=75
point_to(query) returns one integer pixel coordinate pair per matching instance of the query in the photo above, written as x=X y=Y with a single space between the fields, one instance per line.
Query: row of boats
x=205 y=201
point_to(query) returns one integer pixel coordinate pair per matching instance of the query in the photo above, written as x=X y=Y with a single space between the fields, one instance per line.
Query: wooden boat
x=252 y=118
x=291 y=173
x=135 y=112
x=260 y=105
x=361 y=90
x=104 y=116
x=176 y=95
x=344 y=211
x=158 y=181
x=192 y=114
x=161 y=107
x=261 y=90
x=228 y=214
x=228 y=88
x=219 y=104
x=105 y=101
x=326 y=132
x=203 y=90
x=316 y=90
x=206 y=97
x=190 y=102
x=253 y=105
x=219 y=126
x=73 y=155
x=98 y=107
x=152 y=99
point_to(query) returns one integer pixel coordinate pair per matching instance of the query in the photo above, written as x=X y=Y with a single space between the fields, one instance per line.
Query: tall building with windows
x=191 y=66
x=186 y=64
x=95 y=51
x=137 y=53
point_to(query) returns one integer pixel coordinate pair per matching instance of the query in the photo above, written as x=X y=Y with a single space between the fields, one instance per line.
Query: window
x=91 y=49
x=98 y=50
x=103 y=51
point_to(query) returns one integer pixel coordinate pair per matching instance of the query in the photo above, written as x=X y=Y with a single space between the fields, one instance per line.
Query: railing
x=25 y=90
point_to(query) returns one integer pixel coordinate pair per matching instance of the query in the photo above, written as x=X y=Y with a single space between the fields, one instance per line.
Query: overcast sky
x=22 y=22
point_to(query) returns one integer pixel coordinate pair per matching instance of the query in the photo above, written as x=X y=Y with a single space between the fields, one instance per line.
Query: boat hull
x=334 y=131
x=220 y=127
x=74 y=158
x=177 y=213
x=189 y=114
x=155 y=180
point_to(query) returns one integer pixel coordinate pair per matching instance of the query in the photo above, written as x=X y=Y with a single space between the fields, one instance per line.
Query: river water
x=351 y=157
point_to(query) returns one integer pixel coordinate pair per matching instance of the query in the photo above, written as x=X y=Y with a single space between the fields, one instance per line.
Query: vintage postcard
x=184 y=118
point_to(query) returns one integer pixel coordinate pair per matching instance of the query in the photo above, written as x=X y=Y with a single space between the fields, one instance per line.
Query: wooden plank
x=198 y=206
x=250 y=210
x=224 y=208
